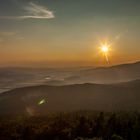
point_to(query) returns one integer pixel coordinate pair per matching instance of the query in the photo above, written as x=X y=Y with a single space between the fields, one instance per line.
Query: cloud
x=20 y=38
x=10 y=35
x=33 y=11
x=6 y=34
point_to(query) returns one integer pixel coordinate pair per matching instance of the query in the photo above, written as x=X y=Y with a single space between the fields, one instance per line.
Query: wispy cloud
x=5 y=34
x=10 y=35
x=33 y=11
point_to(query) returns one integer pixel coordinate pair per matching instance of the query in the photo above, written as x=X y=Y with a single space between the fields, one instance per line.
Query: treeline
x=84 y=125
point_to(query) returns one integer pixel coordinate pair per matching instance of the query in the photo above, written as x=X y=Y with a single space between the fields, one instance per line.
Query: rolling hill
x=107 y=75
x=111 y=97
x=11 y=78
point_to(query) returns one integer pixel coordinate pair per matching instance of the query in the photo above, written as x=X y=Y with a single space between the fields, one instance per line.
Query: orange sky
x=61 y=33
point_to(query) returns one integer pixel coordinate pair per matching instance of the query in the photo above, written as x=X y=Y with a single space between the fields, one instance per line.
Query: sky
x=68 y=32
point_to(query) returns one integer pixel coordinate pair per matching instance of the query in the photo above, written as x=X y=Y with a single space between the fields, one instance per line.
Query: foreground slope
x=123 y=96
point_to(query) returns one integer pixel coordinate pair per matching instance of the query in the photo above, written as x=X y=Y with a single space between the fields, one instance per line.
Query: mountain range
x=11 y=78
x=43 y=99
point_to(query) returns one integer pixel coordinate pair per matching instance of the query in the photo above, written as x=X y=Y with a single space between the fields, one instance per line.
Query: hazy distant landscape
x=113 y=88
x=11 y=78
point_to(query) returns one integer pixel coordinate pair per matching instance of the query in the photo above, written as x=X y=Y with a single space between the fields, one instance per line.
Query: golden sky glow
x=68 y=34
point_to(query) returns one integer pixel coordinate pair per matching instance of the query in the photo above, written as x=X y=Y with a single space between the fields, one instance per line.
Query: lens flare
x=41 y=102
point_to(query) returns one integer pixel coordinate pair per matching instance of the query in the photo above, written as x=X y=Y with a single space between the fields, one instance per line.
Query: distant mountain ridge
x=106 y=75
x=110 y=97
x=11 y=78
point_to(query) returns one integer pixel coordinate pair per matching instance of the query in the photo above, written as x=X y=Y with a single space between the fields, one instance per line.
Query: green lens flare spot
x=42 y=102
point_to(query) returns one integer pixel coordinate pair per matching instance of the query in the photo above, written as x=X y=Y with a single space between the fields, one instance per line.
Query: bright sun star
x=105 y=48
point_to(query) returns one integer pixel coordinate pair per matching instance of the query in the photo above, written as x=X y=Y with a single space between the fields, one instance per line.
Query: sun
x=105 y=48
